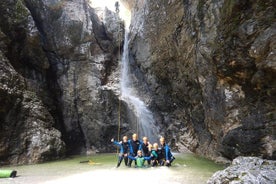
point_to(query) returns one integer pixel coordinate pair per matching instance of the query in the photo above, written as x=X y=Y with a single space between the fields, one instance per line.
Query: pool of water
x=187 y=168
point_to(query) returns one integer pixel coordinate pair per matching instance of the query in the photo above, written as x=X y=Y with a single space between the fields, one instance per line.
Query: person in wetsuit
x=134 y=146
x=124 y=149
x=145 y=148
x=165 y=156
x=154 y=154
x=140 y=159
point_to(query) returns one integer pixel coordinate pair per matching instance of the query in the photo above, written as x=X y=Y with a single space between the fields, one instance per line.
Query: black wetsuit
x=154 y=158
x=165 y=154
x=161 y=156
x=134 y=146
x=145 y=150
x=124 y=148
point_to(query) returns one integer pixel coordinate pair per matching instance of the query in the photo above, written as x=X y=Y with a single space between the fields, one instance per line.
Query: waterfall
x=144 y=117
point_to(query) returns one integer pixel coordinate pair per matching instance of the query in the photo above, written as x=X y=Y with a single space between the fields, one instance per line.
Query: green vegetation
x=21 y=12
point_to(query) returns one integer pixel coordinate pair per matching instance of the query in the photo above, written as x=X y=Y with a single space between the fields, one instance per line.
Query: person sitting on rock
x=165 y=156
x=140 y=160
x=134 y=146
x=124 y=149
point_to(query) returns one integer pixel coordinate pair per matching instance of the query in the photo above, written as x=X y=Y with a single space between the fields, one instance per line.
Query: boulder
x=246 y=170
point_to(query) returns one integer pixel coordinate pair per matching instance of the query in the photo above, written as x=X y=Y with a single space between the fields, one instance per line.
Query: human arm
x=154 y=154
x=168 y=152
x=140 y=145
x=130 y=147
x=116 y=142
x=131 y=157
x=147 y=158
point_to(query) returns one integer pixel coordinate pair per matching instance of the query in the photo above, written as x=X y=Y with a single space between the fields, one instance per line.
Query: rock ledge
x=247 y=170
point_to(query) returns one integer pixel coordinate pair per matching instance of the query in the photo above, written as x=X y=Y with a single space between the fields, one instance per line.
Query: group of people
x=142 y=151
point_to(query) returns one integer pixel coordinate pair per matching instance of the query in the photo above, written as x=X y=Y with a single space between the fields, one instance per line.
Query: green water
x=187 y=168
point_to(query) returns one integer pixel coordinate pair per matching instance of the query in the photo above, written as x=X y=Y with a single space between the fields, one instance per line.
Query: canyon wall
x=208 y=72
x=56 y=60
x=206 y=69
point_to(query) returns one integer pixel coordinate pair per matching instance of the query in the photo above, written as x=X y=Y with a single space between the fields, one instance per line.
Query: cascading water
x=144 y=117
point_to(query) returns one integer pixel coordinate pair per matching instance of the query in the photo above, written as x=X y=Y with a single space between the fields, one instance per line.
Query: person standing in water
x=134 y=146
x=145 y=148
x=124 y=149
x=165 y=158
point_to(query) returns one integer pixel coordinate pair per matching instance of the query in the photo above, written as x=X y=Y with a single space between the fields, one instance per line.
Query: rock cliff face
x=56 y=58
x=209 y=68
x=206 y=69
x=27 y=133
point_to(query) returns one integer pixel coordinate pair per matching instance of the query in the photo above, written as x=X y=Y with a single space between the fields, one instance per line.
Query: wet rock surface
x=207 y=69
x=246 y=170
x=27 y=132
x=62 y=54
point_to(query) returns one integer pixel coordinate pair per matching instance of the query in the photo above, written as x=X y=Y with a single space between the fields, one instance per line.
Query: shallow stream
x=186 y=169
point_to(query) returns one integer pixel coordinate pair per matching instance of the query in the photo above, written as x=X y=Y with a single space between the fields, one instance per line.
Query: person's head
x=150 y=147
x=162 y=140
x=145 y=140
x=139 y=153
x=134 y=137
x=155 y=146
x=125 y=139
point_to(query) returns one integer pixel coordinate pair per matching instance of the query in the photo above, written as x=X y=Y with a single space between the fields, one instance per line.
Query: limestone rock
x=246 y=170
x=27 y=132
x=206 y=69
x=65 y=54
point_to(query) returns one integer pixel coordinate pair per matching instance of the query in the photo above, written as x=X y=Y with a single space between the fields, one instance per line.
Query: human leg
x=170 y=161
x=130 y=161
x=126 y=160
x=154 y=163
x=161 y=162
x=120 y=158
